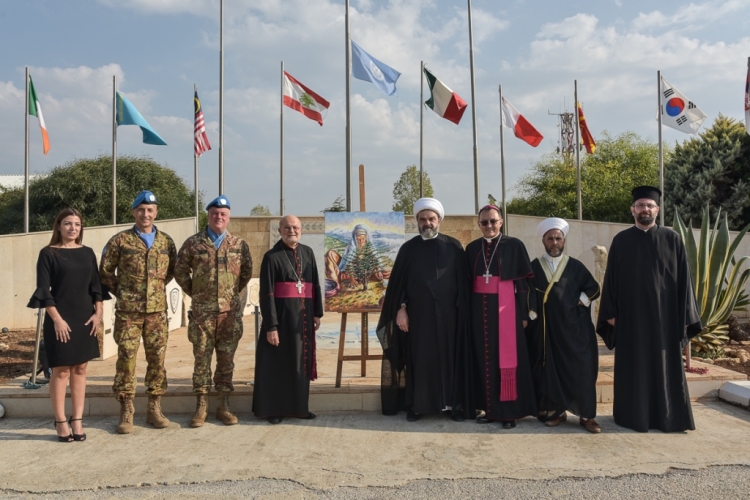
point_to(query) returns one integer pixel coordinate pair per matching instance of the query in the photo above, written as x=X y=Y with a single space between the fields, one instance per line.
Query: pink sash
x=288 y=290
x=506 y=321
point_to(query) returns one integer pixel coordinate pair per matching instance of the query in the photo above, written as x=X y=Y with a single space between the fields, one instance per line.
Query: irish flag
x=304 y=100
x=444 y=101
x=520 y=125
x=36 y=110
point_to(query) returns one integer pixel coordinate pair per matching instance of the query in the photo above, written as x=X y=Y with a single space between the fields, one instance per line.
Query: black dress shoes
x=412 y=416
x=274 y=420
x=309 y=416
x=484 y=420
x=509 y=424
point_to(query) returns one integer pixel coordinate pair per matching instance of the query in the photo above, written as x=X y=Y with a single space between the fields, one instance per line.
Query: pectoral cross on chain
x=299 y=286
x=487 y=275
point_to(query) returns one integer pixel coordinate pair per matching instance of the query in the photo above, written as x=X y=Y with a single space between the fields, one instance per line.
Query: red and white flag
x=201 y=139
x=302 y=99
x=520 y=125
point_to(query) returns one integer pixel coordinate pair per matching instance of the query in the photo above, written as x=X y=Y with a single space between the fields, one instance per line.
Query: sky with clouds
x=158 y=49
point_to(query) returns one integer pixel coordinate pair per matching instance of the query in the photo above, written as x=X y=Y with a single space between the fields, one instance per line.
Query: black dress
x=68 y=279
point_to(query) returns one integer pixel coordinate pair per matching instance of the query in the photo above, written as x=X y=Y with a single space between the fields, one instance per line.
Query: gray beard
x=428 y=232
x=559 y=252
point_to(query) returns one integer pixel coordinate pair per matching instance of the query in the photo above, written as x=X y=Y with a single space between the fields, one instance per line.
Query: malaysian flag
x=201 y=139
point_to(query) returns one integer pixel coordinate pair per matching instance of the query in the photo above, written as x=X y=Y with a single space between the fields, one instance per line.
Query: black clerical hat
x=648 y=192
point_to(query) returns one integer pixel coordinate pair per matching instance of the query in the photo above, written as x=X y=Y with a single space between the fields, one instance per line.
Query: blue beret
x=144 y=197
x=221 y=202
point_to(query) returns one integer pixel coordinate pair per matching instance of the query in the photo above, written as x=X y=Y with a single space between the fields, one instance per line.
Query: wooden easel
x=364 y=355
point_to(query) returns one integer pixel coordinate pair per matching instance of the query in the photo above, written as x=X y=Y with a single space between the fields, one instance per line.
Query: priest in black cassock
x=423 y=325
x=562 y=340
x=291 y=305
x=501 y=305
x=648 y=314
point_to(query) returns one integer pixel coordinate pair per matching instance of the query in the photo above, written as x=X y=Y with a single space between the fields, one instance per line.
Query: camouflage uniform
x=140 y=288
x=218 y=277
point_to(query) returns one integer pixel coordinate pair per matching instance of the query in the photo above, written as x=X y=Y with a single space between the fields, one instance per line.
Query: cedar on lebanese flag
x=586 y=138
x=520 y=125
x=444 y=101
x=302 y=99
x=36 y=110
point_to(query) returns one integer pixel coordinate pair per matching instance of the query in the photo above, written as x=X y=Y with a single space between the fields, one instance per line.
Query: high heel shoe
x=76 y=437
x=64 y=439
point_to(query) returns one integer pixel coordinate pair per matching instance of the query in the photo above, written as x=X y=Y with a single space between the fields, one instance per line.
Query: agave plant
x=718 y=280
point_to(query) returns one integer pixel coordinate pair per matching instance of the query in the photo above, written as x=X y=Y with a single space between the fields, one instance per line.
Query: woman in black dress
x=69 y=289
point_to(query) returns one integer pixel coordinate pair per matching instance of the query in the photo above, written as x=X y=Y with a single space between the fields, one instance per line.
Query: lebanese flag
x=36 y=110
x=520 y=125
x=586 y=138
x=444 y=101
x=302 y=99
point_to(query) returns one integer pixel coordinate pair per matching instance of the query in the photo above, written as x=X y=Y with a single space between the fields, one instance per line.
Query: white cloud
x=691 y=15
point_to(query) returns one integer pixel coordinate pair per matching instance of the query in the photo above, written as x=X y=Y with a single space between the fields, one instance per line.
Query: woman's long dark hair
x=56 y=235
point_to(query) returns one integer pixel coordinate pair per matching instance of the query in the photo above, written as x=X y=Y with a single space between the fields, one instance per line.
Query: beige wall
x=19 y=255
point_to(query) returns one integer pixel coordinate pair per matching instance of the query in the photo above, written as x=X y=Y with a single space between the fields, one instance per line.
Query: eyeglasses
x=643 y=206
x=491 y=222
x=291 y=228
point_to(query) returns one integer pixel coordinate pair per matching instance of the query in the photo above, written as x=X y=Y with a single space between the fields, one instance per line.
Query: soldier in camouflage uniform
x=221 y=267
x=143 y=258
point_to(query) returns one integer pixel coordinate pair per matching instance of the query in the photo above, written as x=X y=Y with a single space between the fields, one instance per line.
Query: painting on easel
x=360 y=248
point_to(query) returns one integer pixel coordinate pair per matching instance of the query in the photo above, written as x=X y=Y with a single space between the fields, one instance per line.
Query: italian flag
x=36 y=110
x=444 y=101
x=520 y=125
x=302 y=99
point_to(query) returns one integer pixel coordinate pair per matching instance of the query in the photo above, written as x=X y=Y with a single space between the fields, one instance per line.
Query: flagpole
x=661 y=152
x=578 y=153
x=348 y=114
x=281 y=146
x=221 y=97
x=502 y=161
x=26 y=157
x=421 y=135
x=114 y=150
x=473 y=115
x=195 y=170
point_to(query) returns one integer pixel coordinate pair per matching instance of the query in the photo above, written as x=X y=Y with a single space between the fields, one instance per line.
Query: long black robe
x=648 y=290
x=562 y=343
x=426 y=369
x=511 y=262
x=283 y=372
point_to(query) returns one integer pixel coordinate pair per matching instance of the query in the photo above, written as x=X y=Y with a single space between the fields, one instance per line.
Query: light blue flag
x=128 y=115
x=367 y=68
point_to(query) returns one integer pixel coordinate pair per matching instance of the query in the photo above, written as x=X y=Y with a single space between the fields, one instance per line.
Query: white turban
x=429 y=204
x=552 y=223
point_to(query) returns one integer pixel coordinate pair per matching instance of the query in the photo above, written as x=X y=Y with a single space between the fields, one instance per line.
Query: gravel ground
x=726 y=483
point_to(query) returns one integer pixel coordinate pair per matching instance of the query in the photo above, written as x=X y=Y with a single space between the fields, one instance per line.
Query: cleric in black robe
x=291 y=306
x=499 y=270
x=423 y=324
x=648 y=313
x=562 y=340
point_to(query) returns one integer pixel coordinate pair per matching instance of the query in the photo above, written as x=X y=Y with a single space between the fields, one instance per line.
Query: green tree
x=338 y=206
x=607 y=178
x=711 y=170
x=260 y=210
x=406 y=190
x=86 y=184
x=365 y=264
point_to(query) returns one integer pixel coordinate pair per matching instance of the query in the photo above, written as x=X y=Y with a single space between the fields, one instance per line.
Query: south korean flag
x=677 y=111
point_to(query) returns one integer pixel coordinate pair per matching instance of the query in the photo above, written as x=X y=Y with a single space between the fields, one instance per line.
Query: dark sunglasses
x=491 y=222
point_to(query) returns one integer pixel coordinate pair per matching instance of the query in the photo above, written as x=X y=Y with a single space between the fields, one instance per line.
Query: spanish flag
x=586 y=138
x=36 y=110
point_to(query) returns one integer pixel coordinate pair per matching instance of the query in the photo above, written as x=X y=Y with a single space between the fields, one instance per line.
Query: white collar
x=553 y=260
x=490 y=240
x=646 y=230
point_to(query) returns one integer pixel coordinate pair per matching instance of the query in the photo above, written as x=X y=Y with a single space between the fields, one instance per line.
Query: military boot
x=201 y=411
x=126 y=415
x=154 y=415
x=223 y=412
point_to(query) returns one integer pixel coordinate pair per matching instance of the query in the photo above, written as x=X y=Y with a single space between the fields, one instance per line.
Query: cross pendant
x=487 y=275
x=299 y=286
